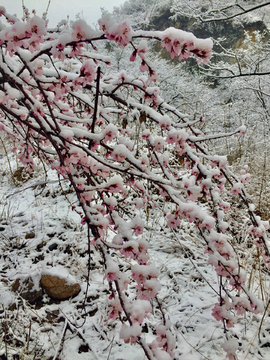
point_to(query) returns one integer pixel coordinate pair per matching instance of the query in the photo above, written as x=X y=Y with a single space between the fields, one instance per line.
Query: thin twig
x=96 y=106
x=40 y=183
x=49 y=3
x=60 y=344
x=260 y=327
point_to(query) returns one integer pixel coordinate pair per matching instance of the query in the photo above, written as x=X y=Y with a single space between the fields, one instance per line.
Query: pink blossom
x=133 y=56
x=123 y=35
x=116 y=188
x=230 y=346
x=119 y=153
x=37 y=26
x=146 y=134
x=130 y=249
x=144 y=67
x=224 y=205
x=131 y=333
x=173 y=221
x=112 y=271
x=76 y=50
x=171 y=137
x=139 y=310
x=142 y=49
x=150 y=289
x=110 y=133
x=114 y=308
x=140 y=273
x=241 y=305
x=142 y=246
x=165 y=123
x=158 y=144
x=245 y=178
x=137 y=225
x=220 y=313
x=79 y=30
x=153 y=77
x=2 y=10
x=257 y=231
x=88 y=72
x=237 y=188
x=142 y=258
x=167 y=42
x=120 y=33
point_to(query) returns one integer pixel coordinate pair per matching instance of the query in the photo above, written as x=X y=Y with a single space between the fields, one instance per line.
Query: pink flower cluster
x=178 y=42
x=87 y=72
x=114 y=309
x=141 y=50
x=230 y=346
x=164 y=345
x=81 y=30
x=151 y=95
x=120 y=33
x=28 y=35
x=179 y=138
x=173 y=220
x=146 y=277
x=131 y=333
x=110 y=133
x=222 y=313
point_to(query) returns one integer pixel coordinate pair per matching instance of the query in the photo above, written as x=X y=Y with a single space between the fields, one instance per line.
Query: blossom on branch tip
x=185 y=44
x=173 y=221
x=112 y=271
x=120 y=33
x=109 y=133
x=88 y=72
x=114 y=308
x=131 y=333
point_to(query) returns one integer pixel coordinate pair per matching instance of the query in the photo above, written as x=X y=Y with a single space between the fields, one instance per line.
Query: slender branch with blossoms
x=61 y=102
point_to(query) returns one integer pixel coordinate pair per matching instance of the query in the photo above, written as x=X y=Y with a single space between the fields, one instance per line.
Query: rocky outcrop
x=231 y=32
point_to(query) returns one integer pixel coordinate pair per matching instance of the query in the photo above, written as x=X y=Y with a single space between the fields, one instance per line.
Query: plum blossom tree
x=123 y=149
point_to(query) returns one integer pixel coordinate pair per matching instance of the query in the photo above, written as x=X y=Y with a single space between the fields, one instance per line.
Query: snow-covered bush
x=123 y=150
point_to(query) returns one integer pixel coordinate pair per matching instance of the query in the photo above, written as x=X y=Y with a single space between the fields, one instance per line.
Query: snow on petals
x=114 y=309
x=230 y=346
x=81 y=30
x=130 y=333
x=120 y=33
x=112 y=271
x=88 y=72
x=139 y=310
x=173 y=220
x=185 y=44
x=115 y=184
x=110 y=132
x=137 y=225
x=119 y=153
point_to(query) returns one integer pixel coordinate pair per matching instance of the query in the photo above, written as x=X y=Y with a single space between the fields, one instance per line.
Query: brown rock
x=58 y=288
x=27 y=290
x=30 y=235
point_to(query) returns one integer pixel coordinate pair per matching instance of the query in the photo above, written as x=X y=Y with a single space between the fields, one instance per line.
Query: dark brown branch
x=96 y=101
x=235 y=15
x=238 y=75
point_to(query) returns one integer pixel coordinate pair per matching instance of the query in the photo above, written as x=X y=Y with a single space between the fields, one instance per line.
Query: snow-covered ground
x=39 y=232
